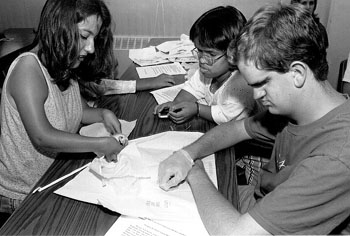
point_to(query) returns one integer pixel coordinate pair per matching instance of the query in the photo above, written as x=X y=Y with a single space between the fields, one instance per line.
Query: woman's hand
x=111 y=122
x=158 y=82
x=112 y=148
x=161 y=81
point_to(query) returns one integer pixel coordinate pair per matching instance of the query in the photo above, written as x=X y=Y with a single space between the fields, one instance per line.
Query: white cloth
x=118 y=86
x=130 y=186
x=232 y=101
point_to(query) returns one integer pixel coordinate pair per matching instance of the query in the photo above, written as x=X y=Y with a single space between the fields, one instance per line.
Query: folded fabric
x=129 y=164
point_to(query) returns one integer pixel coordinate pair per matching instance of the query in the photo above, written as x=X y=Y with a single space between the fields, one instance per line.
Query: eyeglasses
x=210 y=60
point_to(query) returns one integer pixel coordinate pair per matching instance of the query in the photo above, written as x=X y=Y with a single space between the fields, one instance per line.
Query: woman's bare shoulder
x=26 y=73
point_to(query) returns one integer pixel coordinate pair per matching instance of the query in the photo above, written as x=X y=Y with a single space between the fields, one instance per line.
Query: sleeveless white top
x=22 y=164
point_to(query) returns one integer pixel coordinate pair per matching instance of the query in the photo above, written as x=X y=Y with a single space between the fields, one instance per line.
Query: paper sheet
x=142 y=197
x=167 y=94
x=131 y=226
x=99 y=130
x=153 y=71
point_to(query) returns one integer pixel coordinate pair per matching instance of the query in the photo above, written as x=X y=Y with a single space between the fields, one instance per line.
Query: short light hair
x=278 y=35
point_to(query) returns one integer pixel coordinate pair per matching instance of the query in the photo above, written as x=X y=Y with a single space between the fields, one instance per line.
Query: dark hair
x=58 y=38
x=217 y=27
x=316 y=18
x=277 y=35
x=299 y=2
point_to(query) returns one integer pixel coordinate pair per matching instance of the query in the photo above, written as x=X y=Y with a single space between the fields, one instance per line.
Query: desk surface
x=46 y=213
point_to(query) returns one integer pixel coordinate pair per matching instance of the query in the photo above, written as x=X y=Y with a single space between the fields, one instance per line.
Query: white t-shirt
x=232 y=101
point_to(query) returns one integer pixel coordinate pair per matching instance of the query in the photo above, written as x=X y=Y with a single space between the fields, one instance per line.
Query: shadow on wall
x=123 y=60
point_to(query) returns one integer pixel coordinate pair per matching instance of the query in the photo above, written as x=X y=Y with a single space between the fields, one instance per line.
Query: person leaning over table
x=304 y=189
x=41 y=106
x=216 y=92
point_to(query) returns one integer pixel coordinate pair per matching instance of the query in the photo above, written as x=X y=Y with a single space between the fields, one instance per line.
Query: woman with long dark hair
x=41 y=106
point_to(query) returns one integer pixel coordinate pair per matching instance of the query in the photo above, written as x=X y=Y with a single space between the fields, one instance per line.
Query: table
x=19 y=40
x=45 y=213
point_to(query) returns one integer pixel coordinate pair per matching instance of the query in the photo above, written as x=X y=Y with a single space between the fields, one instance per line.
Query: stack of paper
x=170 y=51
x=147 y=56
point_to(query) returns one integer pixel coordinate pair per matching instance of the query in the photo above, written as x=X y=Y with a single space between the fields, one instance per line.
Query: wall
x=20 y=13
x=170 y=18
x=339 y=35
x=132 y=17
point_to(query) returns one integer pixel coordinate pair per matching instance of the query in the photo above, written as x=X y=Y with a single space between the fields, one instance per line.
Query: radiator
x=129 y=42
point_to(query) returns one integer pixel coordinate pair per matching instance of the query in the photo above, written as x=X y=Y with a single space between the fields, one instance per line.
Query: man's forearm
x=217 y=213
x=218 y=138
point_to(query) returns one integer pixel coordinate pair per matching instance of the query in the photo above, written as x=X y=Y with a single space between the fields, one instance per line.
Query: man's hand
x=173 y=170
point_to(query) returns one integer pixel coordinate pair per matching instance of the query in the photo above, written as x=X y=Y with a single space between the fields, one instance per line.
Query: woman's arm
x=158 y=82
x=94 y=115
x=28 y=89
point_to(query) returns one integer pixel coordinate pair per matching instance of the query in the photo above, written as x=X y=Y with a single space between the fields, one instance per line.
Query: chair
x=342 y=69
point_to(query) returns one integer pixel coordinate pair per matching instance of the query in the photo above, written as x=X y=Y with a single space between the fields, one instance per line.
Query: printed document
x=131 y=226
x=153 y=71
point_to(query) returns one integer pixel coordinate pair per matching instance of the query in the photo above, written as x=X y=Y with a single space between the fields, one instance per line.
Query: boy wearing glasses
x=216 y=92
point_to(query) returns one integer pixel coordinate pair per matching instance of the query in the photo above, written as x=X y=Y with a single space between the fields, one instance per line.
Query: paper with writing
x=131 y=226
x=154 y=71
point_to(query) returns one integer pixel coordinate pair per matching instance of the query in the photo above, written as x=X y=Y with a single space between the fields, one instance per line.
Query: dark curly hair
x=58 y=39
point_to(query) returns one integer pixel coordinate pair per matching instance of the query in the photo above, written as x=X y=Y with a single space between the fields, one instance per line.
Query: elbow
x=41 y=142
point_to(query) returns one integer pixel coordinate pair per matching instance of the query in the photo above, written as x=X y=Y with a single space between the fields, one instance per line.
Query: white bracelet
x=188 y=156
x=121 y=138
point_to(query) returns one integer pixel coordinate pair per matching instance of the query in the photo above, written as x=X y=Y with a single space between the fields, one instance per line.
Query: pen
x=39 y=189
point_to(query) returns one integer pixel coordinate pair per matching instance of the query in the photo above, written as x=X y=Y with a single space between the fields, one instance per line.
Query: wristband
x=121 y=138
x=187 y=156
